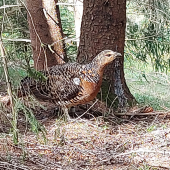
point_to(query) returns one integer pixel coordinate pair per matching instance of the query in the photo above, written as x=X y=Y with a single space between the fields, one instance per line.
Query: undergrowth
x=148 y=87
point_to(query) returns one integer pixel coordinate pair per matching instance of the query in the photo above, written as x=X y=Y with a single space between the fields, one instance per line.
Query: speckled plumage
x=69 y=84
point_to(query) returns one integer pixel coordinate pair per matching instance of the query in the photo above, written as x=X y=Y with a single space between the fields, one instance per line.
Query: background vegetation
x=141 y=142
x=147 y=59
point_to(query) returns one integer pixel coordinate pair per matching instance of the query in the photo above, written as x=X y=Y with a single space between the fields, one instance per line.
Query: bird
x=69 y=84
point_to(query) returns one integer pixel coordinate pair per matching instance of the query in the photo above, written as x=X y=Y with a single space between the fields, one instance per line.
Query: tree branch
x=9 y=6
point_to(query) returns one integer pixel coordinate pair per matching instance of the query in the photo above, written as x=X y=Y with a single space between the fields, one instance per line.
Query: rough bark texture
x=45 y=33
x=103 y=27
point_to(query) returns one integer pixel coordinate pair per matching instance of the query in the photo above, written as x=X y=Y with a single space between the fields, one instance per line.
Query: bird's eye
x=108 y=55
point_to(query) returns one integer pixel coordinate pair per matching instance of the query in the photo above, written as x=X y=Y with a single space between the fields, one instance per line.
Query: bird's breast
x=90 y=89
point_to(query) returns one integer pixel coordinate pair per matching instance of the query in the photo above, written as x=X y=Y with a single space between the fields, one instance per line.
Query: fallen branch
x=86 y=110
x=143 y=111
x=140 y=150
x=18 y=40
x=143 y=114
x=143 y=151
x=12 y=166
x=9 y=6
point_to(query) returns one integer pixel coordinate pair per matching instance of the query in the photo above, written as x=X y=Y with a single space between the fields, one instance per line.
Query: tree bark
x=45 y=33
x=103 y=27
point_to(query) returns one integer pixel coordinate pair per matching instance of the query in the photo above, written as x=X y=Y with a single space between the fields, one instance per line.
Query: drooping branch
x=14 y=123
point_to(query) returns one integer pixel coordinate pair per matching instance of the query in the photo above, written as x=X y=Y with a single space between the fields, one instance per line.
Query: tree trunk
x=45 y=33
x=103 y=27
x=78 y=10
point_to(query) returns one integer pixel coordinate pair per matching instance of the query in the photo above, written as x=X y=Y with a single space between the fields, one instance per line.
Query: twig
x=18 y=40
x=10 y=165
x=144 y=151
x=86 y=110
x=9 y=6
x=140 y=150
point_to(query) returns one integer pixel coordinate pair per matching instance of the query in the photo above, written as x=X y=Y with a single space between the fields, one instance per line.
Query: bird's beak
x=118 y=55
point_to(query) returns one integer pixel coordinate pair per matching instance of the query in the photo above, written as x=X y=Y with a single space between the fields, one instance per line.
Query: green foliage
x=7 y=2
x=151 y=128
x=67 y=20
x=147 y=167
x=19 y=53
x=14 y=29
x=13 y=20
x=148 y=32
x=36 y=74
x=36 y=127
x=148 y=87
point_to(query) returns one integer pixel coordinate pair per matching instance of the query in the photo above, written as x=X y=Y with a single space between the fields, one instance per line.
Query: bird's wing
x=62 y=84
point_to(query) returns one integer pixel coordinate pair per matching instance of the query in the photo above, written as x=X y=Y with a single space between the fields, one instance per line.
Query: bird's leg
x=73 y=110
x=66 y=115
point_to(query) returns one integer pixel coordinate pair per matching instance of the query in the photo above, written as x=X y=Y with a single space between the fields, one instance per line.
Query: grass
x=148 y=87
x=15 y=74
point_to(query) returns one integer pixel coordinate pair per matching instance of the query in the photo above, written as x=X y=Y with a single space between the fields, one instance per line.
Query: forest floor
x=95 y=143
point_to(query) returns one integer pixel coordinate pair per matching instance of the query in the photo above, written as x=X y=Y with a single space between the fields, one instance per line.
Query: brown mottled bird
x=69 y=84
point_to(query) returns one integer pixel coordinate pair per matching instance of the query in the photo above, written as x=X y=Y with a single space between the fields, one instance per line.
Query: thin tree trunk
x=103 y=27
x=45 y=33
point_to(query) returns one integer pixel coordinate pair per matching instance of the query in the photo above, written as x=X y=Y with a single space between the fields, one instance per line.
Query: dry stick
x=141 y=150
x=10 y=165
x=86 y=110
x=14 y=124
x=142 y=114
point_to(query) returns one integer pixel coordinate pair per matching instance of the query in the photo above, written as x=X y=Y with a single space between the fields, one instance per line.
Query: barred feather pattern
x=60 y=87
x=64 y=83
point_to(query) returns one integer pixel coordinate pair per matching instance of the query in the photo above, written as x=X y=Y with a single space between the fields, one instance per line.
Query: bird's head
x=105 y=57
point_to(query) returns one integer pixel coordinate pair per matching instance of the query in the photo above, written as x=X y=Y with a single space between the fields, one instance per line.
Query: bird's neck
x=96 y=67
